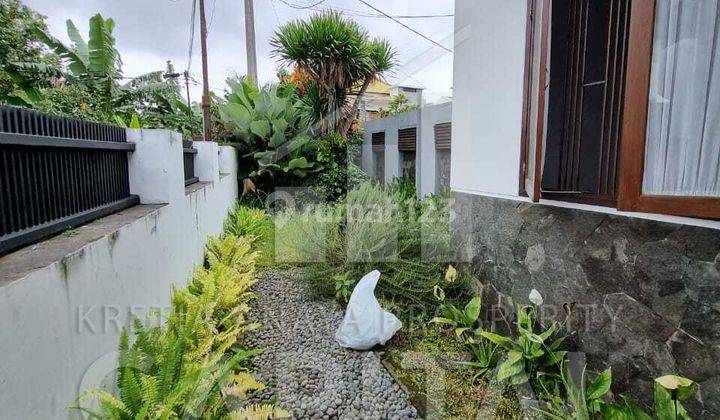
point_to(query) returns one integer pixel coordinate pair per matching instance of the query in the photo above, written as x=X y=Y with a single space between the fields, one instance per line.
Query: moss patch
x=419 y=352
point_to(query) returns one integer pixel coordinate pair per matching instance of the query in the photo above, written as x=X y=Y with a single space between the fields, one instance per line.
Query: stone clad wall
x=647 y=293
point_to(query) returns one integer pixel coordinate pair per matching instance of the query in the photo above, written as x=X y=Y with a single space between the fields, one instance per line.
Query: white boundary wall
x=430 y=116
x=425 y=120
x=60 y=319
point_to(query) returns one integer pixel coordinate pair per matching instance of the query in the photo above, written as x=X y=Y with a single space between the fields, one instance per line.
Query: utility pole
x=174 y=76
x=187 y=96
x=206 y=87
x=250 y=40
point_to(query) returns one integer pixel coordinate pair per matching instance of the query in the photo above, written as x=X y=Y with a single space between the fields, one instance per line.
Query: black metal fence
x=189 y=162
x=57 y=173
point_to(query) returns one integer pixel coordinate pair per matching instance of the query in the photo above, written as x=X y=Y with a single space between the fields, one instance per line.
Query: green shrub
x=255 y=223
x=248 y=221
x=272 y=124
x=338 y=155
x=374 y=227
x=306 y=237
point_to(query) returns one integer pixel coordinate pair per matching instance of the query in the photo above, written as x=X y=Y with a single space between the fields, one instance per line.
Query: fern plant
x=248 y=221
x=254 y=223
x=232 y=251
x=191 y=367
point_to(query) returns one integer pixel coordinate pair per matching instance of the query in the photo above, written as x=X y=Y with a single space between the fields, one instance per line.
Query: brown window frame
x=634 y=124
x=632 y=144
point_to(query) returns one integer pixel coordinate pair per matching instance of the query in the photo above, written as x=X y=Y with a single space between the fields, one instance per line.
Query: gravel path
x=305 y=370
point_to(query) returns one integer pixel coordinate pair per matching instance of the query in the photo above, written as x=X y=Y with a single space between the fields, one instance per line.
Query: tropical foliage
x=339 y=59
x=196 y=364
x=273 y=123
x=468 y=327
x=373 y=227
x=341 y=173
x=82 y=80
x=26 y=66
x=535 y=355
x=534 y=350
x=397 y=105
x=94 y=63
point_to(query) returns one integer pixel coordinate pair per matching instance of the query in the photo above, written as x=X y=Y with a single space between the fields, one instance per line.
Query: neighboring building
x=585 y=164
x=412 y=145
x=379 y=94
x=413 y=93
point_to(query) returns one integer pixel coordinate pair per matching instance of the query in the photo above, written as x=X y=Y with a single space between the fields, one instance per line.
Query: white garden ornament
x=535 y=297
x=366 y=323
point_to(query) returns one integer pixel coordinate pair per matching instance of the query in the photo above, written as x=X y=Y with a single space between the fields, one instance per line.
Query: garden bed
x=417 y=353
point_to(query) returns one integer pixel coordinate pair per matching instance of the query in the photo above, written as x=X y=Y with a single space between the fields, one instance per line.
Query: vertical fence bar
x=47 y=188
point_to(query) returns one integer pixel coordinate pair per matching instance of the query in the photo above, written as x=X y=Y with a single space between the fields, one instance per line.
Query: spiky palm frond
x=337 y=54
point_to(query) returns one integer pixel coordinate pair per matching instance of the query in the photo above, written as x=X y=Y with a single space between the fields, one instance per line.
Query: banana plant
x=274 y=123
x=96 y=63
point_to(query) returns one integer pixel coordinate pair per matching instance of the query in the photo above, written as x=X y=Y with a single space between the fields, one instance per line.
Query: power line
x=192 y=34
x=354 y=12
x=405 y=26
x=212 y=17
x=297 y=6
x=357 y=13
x=408 y=16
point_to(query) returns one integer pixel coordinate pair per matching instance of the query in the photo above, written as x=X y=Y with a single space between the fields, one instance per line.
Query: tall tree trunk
x=349 y=117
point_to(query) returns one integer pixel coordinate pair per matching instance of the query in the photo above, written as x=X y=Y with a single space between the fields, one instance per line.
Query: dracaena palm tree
x=339 y=57
x=381 y=60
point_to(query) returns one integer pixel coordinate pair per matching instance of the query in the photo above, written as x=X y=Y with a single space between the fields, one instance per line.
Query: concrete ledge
x=200 y=185
x=22 y=262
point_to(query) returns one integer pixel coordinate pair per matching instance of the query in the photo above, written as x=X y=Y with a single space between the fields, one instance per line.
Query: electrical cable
x=192 y=34
x=358 y=13
x=405 y=26
x=212 y=17
x=299 y=7
x=277 y=18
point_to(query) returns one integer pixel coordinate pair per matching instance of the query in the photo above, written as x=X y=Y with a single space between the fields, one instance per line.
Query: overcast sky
x=150 y=32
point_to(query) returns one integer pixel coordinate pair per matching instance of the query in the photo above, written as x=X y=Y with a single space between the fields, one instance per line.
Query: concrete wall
x=431 y=115
x=425 y=120
x=488 y=95
x=61 y=317
x=647 y=293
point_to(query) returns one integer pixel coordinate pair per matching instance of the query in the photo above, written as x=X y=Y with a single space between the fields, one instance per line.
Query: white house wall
x=488 y=95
